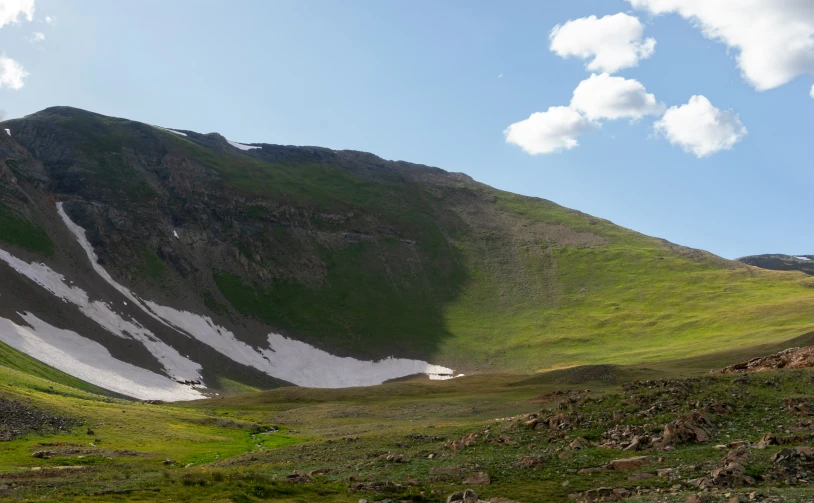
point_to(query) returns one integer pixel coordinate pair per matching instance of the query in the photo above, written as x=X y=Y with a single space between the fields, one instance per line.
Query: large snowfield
x=284 y=358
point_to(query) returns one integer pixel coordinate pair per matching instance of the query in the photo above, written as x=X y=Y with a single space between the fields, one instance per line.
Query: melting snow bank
x=176 y=366
x=90 y=361
x=305 y=365
x=241 y=146
x=293 y=361
x=802 y=258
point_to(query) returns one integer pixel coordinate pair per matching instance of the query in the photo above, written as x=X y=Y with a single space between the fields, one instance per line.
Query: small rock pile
x=793 y=465
x=695 y=427
x=628 y=438
x=731 y=473
x=792 y=358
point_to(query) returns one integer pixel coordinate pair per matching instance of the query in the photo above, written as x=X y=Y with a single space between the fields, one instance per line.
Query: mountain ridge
x=359 y=256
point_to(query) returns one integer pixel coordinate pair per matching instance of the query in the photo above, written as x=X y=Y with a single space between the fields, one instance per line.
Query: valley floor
x=542 y=438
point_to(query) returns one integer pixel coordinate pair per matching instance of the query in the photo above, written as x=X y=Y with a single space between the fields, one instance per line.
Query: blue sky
x=439 y=83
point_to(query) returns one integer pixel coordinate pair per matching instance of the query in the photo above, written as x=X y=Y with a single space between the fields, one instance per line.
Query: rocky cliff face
x=778 y=262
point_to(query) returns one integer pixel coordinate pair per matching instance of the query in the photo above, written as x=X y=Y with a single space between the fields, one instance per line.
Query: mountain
x=778 y=262
x=171 y=264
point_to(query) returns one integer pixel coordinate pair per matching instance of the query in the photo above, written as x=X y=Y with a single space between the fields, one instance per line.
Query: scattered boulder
x=630 y=463
x=695 y=427
x=463 y=442
x=470 y=496
x=528 y=462
x=298 y=478
x=478 y=479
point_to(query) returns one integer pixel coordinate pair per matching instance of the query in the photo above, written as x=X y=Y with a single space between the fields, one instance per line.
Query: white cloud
x=11 y=10
x=774 y=38
x=38 y=36
x=811 y=93
x=51 y=20
x=547 y=132
x=606 y=97
x=11 y=73
x=614 y=42
x=701 y=129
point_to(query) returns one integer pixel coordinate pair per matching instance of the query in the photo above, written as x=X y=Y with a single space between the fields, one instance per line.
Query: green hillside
x=372 y=258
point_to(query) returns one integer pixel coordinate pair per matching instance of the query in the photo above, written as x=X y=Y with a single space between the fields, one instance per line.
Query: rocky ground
x=719 y=437
x=714 y=438
x=792 y=358
x=17 y=419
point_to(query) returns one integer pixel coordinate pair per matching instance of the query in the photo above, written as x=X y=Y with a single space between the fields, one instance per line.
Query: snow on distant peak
x=175 y=233
x=802 y=258
x=8 y=132
x=241 y=146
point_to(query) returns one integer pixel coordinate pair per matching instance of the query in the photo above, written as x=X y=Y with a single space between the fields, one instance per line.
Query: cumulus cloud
x=774 y=39
x=12 y=10
x=547 y=132
x=11 y=73
x=701 y=129
x=606 y=97
x=51 y=20
x=611 y=42
x=37 y=36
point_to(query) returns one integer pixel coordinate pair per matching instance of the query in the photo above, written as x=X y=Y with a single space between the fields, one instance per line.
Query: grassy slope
x=20 y=232
x=413 y=418
x=154 y=432
x=497 y=295
x=12 y=359
x=636 y=299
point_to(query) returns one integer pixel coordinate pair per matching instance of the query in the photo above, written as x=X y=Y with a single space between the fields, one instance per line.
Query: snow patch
x=175 y=233
x=175 y=365
x=8 y=132
x=172 y=131
x=287 y=359
x=241 y=146
x=802 y=258
x=90 y=361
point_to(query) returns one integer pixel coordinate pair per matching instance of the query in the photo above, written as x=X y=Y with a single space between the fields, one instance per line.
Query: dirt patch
x=17 y=419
